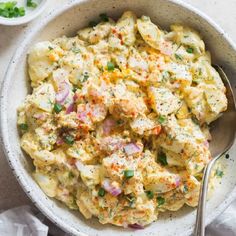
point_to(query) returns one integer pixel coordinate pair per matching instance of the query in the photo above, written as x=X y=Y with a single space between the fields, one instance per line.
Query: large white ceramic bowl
x=67 y=20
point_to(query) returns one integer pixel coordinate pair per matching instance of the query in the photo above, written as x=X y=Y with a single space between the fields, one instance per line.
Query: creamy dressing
x=117 y=123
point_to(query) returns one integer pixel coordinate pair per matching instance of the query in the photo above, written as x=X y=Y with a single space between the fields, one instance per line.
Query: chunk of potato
x=47 y=183
x=151 y=34
x=163 y=101
x=40 y=62
x=126 y=27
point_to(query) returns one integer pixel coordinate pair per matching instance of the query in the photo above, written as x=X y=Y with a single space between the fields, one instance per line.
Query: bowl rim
x=6 y=145
x=27 y=17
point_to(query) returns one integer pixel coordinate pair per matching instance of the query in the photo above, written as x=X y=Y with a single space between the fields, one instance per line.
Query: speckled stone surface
x=223 y=12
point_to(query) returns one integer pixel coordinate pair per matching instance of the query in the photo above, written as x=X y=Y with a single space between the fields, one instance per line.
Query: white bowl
x=29 y=16
x=67 y=20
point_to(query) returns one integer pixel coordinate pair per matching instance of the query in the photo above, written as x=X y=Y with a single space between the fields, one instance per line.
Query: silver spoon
x=223 y=133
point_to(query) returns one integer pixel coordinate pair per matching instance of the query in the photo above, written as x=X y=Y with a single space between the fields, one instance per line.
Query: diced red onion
x=135 y=226
x=206 y=144
x=114 y=191
x=59 y=141
x=39 y=116
x=63 y=92
x=107 y=125
x=75 y=97
x=82 y=116
x=70 y=108
x=177 y=181
x=132 y=148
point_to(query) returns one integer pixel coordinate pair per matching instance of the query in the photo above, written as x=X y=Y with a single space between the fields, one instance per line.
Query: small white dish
x=67 y=20
x=29 y=15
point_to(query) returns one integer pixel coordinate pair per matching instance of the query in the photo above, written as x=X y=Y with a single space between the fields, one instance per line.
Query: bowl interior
x=15 y=89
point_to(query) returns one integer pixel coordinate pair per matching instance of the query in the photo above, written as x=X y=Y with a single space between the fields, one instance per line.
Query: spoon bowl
x=223 y=132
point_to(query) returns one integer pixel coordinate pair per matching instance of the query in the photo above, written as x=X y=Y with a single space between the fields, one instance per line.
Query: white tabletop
x=11 y=194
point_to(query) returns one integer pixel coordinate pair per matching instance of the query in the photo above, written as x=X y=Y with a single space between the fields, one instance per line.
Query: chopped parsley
x=50 y=48
x=10 y=10
x=219 y=173
x=160 y=201
x=84 y=77
x=195 y=120
x=162 y=159
x=32 y=4
x=71 y=175
x=74 y=89
x=128 y=174
x=150 y=194
x=101 y=192
x=119 y=122
x=75 y=50
x=165 y=75
x=161 y=119
x=57 y=108
x=23 y=126
x=69 y=139
x=185 y=190
x=189 y=50
x=131 y=199
x=104 y=17
x=110 y=66
x=178 y=57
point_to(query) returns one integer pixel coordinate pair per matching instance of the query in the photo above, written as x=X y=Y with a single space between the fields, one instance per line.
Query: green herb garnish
x=160 y=201
x=71 y=175
x=101 y=192
x=110 y=66
x=32 y=4
x=128 y=174
x=74 y=89
x=219 y=173
x=57 y=108
x=185 y=189
x=166 y=75
x=150 y=194
x=75 y=50
x=189 y=50
x=161 y=119
x=195 y=120
x=23 y=126
x=177 y=56
x=84 y=77
x=162 y=159
x=69 y=139
x=21 y=11
x=131 y=199
x=10 y=10
x=119 y=122
x=104 y=17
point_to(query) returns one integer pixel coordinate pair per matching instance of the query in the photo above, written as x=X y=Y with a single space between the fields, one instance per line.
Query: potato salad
x=117 y=121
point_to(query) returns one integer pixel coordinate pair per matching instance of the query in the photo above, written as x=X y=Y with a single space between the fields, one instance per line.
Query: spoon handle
x=200 y=220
